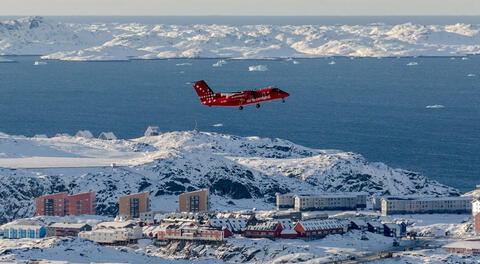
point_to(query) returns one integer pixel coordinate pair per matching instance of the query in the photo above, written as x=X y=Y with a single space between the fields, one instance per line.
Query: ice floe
x=219 y=63
x=258 y=68
x=435 y=106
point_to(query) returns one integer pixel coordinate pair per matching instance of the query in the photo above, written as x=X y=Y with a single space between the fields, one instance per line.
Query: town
x=297 y=216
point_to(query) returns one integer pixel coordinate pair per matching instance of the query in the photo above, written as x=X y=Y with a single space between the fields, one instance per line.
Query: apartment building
x=426 y=205
x=326 y=201
x=131 y=206
x=196 y=201
x=61 y=204
x=192 y=232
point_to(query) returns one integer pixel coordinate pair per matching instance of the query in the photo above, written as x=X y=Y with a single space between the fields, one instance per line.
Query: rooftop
x=444 y=198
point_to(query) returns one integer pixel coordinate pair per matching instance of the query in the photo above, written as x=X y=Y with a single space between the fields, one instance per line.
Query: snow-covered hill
x=114 y=41
x=249 y=169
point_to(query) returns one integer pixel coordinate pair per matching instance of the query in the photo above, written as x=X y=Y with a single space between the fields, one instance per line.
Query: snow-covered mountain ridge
x=231 y=167
x=115 y=41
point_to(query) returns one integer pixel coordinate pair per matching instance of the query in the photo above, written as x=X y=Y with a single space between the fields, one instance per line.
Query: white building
x=152 y=131
x=84 y=134
x=116 y=232
x=426 y=205
x=325 y=201
x=149 y=217
x=107 y=136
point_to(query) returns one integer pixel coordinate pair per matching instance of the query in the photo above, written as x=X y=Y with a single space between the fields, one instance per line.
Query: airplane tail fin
x=202 y=89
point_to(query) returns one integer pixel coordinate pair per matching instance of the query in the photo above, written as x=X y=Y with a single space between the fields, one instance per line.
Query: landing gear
x=257 y=106
x=283 y=100
x=240 y=107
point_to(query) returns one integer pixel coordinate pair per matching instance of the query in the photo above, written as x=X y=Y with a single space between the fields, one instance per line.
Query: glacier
x=243 y=171
x=117 y=41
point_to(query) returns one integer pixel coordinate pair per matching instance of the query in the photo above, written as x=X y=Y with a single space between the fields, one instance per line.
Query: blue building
x=22 y=230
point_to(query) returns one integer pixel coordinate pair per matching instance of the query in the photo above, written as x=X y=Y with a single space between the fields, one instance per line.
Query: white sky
x=239 y=7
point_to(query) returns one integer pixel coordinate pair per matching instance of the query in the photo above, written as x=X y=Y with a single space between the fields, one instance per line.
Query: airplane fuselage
x=237 y=98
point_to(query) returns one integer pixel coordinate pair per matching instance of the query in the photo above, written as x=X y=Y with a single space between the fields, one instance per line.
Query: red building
x=476 y=223
x=468 y=247
x=191 y=231
x=81 y=204
x=269 y=229
x=312 y=229
x=61 y=204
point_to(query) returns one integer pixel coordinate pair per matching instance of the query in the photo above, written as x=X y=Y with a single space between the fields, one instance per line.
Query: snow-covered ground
x=242 y=172
x=355 y=243
x=114 y=41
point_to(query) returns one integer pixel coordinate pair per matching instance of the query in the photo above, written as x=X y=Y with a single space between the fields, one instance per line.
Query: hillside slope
x=231 y=167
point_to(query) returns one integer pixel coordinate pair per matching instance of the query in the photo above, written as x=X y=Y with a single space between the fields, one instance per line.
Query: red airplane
x=208 y=97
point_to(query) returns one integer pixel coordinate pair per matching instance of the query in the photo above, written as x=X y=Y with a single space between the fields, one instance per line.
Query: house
x=149 y=217
x=113 y=233
x=66 y=229
x=235 y=225
x=196 y=218
x=84 y=134
x=359 y=225
x=288 y=230
x=468 y=247
x=196 y=201
x=131 y=206
x=394 y=230
x=23 y=229
x=107 y=136
x=191 y=231
x=376 y=227
x=151 y=231
x=152 y=131
x=61 y=204
x=269 y=229
x=312 y=229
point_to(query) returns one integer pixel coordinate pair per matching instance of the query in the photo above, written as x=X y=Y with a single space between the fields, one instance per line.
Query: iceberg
x=413 y=63
x=332 y=63
x=38 y=63
x=219 y=63
x=258 y=68
x=436 y=106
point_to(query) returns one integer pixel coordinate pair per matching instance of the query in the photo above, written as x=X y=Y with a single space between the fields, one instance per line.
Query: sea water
x=380 y=108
